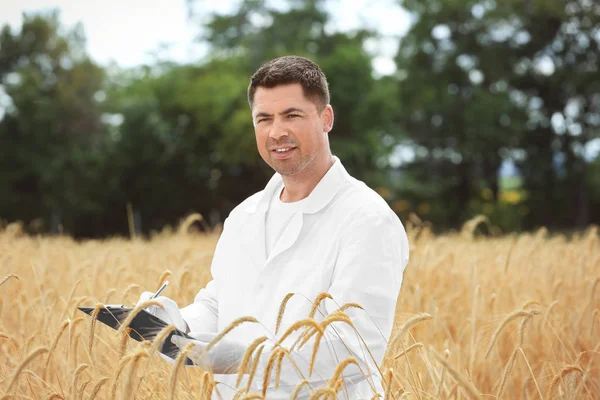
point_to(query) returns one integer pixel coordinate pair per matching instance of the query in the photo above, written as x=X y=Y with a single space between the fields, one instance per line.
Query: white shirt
x=346 y=242
x=278 y=216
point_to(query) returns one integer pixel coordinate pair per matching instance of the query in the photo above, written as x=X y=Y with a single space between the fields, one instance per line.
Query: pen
x=164 y=285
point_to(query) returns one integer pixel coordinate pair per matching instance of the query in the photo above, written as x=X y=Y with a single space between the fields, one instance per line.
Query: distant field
x=514 y=317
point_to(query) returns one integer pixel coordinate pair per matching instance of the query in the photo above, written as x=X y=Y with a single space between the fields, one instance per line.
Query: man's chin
x=286 y=170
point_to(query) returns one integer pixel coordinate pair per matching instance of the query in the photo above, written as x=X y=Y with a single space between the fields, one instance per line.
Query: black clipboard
x=144 y=326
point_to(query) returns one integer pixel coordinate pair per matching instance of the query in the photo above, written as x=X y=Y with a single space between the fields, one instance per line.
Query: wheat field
x=511 y=317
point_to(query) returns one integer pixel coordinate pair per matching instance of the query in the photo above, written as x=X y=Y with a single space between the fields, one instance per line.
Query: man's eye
x=262 y=120
x=293 y=115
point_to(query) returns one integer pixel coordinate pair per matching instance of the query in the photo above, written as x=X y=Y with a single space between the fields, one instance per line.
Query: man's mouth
x=283 y=152
x=283 y=149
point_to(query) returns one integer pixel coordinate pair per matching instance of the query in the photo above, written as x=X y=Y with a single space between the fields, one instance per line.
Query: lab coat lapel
x=288 y=237
x=253 y=236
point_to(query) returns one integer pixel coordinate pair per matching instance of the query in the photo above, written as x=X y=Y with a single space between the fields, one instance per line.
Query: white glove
x=170 y=313
x=223 y=358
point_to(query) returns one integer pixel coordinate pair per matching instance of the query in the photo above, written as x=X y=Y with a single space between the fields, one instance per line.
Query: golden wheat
x=470 y=290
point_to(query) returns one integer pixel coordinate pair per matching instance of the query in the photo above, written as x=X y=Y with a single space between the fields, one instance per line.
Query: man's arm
x=202 y=314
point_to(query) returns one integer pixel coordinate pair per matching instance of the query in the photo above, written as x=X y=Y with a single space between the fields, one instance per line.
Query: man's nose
x=278 y=130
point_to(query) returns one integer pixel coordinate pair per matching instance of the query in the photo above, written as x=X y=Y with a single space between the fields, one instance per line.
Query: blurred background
x=130 y=115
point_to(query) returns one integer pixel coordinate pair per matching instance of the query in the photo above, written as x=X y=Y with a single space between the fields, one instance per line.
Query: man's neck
x=297 y=188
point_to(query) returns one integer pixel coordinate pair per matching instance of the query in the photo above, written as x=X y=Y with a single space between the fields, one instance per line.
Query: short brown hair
x=289 y=70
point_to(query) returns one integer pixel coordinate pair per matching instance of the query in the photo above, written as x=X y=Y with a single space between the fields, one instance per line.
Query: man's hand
x=223 y=358
x=169 y=313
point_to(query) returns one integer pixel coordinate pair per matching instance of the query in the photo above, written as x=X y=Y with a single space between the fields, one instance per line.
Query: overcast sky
x=128 y=31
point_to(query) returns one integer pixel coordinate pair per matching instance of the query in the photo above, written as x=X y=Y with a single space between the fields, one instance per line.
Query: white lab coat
x=348 y=242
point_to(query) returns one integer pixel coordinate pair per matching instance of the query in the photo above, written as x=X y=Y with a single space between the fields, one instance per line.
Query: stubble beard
x=292 y=167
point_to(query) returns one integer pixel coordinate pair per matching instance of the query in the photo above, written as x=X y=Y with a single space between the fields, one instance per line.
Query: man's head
x=289 y=99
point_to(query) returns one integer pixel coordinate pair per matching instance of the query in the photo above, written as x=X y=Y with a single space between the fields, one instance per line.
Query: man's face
x=290 y=131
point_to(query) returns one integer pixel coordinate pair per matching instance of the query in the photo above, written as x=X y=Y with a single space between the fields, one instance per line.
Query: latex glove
x=170 y=313
x=223 y=358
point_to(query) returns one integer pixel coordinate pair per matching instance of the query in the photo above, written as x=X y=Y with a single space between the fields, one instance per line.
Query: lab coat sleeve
x=371 y=261
x=202 y=314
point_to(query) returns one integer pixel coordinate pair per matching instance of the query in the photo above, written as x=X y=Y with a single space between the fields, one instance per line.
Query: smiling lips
x=283 y=152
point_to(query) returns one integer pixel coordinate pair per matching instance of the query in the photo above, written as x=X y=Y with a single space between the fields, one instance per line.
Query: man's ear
x=327 y=118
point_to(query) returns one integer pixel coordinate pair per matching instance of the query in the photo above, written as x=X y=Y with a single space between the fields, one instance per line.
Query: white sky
x=128 y=31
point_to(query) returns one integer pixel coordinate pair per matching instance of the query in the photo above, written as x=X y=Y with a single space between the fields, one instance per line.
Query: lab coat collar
x=321 y=195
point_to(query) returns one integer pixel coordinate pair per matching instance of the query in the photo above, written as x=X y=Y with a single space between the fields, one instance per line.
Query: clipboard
x=144 y=326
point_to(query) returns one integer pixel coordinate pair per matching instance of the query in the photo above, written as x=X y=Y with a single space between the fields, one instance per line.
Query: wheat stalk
x=408 y=349
x=463 y=382
x=507 y=369
x=178 y=363
x=135 y=357
x=7 y=277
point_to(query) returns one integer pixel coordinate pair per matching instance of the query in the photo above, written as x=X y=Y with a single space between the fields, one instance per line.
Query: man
x=313 y=229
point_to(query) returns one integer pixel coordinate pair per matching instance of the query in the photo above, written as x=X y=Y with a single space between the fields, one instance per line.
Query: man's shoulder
x=358 y=197
x=245 y=206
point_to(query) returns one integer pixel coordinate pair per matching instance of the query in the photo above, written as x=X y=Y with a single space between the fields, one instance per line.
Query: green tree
x=50 y=122
x=485 y=81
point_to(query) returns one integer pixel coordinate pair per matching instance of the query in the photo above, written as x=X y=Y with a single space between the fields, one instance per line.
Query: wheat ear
x=251 y=396
x=254 y=366
x=267 y=374
x=136 y=311
x=298 y=388
x=160 y=338
x=164 y=276
x=94 y=316
x=55 y=343
x=297 y=325
x=7 y=277
x=27 y=360
x=282 y=311
x=339 y=369
x=247 y=357
x=97 y=387
x=566 y=370
x=76 y=374
x=127 y=290
x=228 y=329
x=407 y=325
x=317 y=303
x=81 y=390
x=122 y=362
x=509 y=317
